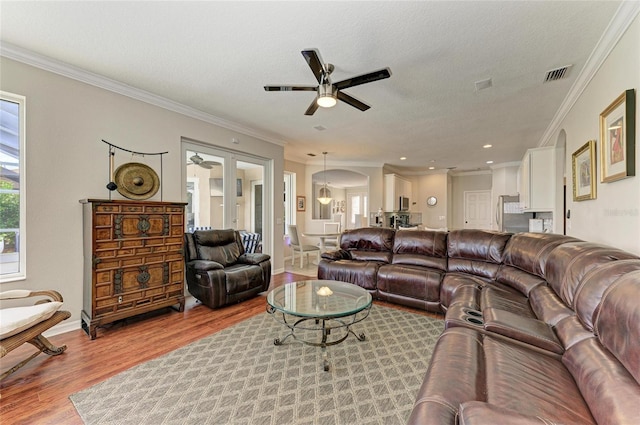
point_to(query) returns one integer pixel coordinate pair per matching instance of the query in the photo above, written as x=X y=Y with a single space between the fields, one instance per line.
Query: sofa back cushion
x=368 y=243
x=589 y=294
x=568 y=264
x=529 y=251
x=617 y=323
x=421 y=248
x=477 y=252
x=221 y=246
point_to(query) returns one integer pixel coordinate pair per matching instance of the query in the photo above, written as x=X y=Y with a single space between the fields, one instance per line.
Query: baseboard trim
x=63 y=327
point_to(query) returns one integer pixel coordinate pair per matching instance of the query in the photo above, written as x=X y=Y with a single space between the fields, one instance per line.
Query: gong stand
x=111 y=186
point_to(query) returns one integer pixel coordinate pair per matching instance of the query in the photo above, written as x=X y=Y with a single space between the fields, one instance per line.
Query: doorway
x=477 y=209
x=226 y=190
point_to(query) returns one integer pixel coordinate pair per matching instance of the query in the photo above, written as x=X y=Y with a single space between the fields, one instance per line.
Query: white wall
x=66 y=161
x=461 y=183
x=431 y=185
x=614 y=217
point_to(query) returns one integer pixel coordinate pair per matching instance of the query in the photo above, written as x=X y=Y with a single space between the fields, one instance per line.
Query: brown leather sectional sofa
x=539 y=328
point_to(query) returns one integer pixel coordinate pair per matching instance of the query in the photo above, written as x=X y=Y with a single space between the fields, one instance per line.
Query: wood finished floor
x=39 y=392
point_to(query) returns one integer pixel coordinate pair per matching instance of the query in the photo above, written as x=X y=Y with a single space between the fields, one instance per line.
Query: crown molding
x=624 y=17
x=505 y=165
x=46 y=63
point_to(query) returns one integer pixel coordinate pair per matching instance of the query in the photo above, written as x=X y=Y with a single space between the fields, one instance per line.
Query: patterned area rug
x=238 y=376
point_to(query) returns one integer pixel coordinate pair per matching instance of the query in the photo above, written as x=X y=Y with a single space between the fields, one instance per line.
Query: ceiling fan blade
x=291 y=88
x=315 y=63
x=312 y=108
x=363 y=79
x=352 y=101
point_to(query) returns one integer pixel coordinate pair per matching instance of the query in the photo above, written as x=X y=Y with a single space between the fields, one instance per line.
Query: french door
x=226 y=190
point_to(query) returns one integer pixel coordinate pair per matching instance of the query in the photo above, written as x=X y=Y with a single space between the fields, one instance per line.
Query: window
x=289 y=200
x=12 y=188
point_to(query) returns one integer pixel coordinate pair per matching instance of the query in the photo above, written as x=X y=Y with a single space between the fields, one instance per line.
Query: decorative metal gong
x=136 y=181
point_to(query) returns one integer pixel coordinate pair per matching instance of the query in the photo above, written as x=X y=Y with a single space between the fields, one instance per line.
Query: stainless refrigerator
x=509 y=215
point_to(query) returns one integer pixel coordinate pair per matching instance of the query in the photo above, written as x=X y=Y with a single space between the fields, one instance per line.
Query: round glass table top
x=319 y=298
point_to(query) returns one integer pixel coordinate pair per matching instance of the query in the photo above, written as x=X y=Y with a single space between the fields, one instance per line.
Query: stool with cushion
x=22 y=324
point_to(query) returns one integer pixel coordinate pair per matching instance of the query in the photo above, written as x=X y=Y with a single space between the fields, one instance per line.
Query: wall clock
x=432 y=200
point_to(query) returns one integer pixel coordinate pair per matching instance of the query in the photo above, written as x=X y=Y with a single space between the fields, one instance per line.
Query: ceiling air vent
x=483 y=84
x=557 y=74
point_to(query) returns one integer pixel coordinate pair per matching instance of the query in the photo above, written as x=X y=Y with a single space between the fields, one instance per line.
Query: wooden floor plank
x=39 y=392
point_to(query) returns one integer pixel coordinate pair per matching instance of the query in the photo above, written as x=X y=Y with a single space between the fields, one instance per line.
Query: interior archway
x=349 y=192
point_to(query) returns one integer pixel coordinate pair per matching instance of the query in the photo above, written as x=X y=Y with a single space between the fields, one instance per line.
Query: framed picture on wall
x=617 y=138
x=583 y=166
x=300 y=203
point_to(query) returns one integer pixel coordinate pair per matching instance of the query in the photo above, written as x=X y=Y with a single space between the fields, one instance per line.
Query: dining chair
x=296 y=246
x=332 y=227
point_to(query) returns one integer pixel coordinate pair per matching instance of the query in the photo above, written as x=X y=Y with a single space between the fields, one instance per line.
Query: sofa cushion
x=589 y=294
x=477 y=252
x=532 y=383
x=618 y=322
x=529 y=251
x=17 y=319
x=547 y=305
x=569 y=263
x=480 y=413
x=468 y=365
x=524 y=329
x=503 y=297
x=609 y=388
x=361 y=273
x=220 y=246
x=410 y=281
x=518 y=279
x=421 y=248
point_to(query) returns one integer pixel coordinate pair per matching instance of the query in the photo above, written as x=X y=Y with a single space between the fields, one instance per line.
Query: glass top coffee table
x=319 y=312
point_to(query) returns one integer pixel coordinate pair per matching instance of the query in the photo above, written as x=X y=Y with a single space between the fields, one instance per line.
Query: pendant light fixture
x=325 y=195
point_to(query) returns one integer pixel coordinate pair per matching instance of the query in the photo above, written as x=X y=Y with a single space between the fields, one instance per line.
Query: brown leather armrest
x=200 y=266
x=339 y=254
x=524 y=329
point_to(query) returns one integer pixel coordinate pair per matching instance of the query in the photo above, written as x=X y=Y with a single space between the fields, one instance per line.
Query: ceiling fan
x=327 y=92
x=198 y=160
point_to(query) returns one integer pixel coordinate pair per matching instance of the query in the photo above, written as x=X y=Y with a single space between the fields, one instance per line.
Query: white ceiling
x=217 y=56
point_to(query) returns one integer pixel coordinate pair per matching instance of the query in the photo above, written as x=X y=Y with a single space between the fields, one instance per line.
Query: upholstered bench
x=22 y=324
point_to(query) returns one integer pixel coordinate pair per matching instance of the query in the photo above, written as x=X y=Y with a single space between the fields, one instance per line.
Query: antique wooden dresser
x=133 y=259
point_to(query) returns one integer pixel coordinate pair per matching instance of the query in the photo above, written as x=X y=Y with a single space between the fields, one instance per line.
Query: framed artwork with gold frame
x=617 y=138
x=583 y=166
x=301 y=202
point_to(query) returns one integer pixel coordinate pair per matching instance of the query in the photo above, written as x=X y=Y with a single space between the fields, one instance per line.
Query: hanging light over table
x=325 y=195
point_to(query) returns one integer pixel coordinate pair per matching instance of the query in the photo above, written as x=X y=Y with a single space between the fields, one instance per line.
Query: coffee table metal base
x=325 y=325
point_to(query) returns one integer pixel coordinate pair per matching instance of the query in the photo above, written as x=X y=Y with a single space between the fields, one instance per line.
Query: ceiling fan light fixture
x=326 y=96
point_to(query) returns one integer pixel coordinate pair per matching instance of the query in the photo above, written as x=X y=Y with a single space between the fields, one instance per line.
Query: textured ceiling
x=217 y=56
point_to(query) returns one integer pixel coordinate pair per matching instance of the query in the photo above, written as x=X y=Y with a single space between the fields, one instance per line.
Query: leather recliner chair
x=218 y=270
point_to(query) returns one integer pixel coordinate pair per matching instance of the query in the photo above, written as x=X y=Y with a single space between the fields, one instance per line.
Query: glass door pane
x=250 y=200
x=205 y=191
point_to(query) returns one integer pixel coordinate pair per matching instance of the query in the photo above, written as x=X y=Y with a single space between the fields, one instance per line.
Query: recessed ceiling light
x=487 y=146
x=433 y=160
x=432 y=168
x=489 y=162
x=402 y=158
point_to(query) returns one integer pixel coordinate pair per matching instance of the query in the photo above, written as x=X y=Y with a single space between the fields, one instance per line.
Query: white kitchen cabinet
x=394 y=187
x=537 y=176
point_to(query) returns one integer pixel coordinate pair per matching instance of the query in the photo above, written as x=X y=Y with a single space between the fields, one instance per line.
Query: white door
x=477 y=209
